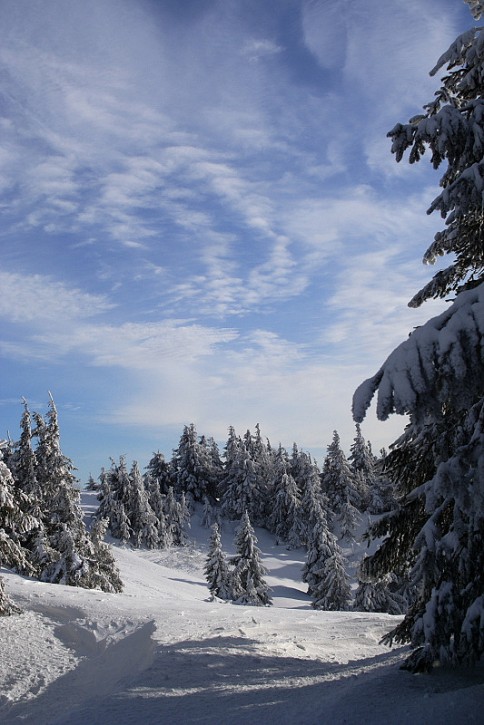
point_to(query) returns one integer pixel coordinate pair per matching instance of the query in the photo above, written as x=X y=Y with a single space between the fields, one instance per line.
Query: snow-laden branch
x=441 y=364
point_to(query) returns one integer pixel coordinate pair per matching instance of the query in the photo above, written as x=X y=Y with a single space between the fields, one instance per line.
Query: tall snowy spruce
x=216 y=567
x=248 y=584
x=437 y=378
x=324 y=571
x=339 y=485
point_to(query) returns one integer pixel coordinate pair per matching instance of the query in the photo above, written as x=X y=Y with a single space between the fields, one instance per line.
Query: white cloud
x=40 y=300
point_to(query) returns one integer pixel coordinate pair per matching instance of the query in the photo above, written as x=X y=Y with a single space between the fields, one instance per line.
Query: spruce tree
x=104 y=573
x=338 y=484
x=242 y=487
x=65 y=559
x=176 y=519
x=331 y=590
x=314 y=505
x=324 y=570
x=115 y=500
x=13 y=523
x=249 y=586
x=362 y=463
x=142 y=519
x=437 y=378
x=285 y=520
x=159 y=470
x=196 y=465
x=216 y=567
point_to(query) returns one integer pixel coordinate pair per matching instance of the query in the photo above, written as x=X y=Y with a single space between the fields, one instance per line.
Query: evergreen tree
x=264 y=462
x=214 y=467
x=216 y=567
x=92 y=484
x=23 y=460
x=49 y=538
x=331 y=588
x=104 y=573
x=313 y=505
x=13 y=523
x=115 y=500
x=362 y=463
x=302 y=469
x=141 y=516
x=324 y=570
x=242 y=487
x=175 y=516
x=159 y=470
x=65 y=556
x=248 y=582
x=23 y=465
x=437 y=378
x=196 y=465
x=285 y=521
x=338 y=483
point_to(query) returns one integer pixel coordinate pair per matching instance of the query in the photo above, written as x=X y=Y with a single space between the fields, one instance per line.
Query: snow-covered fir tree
x=65 y=558
x=362 y=463
x=53 y=539
x=324 y=571
x=285 y=518
x=92 y=484
x=437 y=378
x=159 y=470
x=248 y=584
x=313 y=504
x=176 y=517
x=216 y=567
x=302 y=468
x=23 y=463
x=196 y=465
x=115 y=500
x=105 y=574
x=143 y=521
x=13 y=523
x=242 y=487
x=331 y=591
x=214 y=466
x=338 y=484
x=265 y=461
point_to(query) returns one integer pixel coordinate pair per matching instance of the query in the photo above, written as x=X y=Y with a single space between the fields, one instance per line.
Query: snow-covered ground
x=161 y=652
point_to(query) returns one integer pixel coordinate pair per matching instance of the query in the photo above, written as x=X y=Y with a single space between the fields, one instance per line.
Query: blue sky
x=201 y=217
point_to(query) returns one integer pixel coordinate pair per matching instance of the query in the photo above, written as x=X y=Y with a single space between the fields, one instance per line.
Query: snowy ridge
x=161 y=652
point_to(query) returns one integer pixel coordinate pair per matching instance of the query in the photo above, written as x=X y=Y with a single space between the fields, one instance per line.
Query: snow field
x=162 y=652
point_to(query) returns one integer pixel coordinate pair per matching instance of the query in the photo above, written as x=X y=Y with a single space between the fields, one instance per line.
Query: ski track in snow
x=162 y=652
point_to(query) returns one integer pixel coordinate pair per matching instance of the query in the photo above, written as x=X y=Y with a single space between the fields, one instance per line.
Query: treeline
x=285 y=493
x=42 y=532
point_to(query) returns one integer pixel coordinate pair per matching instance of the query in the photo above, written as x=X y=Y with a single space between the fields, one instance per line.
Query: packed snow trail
x=161 y=652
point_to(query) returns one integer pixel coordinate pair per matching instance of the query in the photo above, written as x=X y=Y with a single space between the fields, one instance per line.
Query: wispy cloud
x=200 y=199
x=35 y=299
